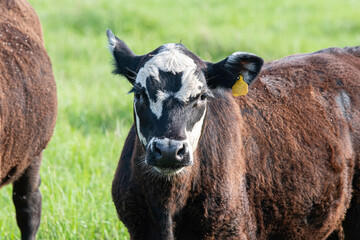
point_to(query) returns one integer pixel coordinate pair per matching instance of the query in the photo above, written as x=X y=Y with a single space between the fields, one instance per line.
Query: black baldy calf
x=279 y=163
x=28 y=109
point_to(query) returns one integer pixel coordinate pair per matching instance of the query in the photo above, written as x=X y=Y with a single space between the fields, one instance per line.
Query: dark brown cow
x=28 y=109
x=280 y=163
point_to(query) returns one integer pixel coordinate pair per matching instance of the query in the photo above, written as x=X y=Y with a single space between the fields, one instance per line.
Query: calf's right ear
x=241 y=66
x=126 y=62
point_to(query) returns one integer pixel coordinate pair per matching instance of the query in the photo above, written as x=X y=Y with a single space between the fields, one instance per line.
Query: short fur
x=282 y=162
x=28 y=108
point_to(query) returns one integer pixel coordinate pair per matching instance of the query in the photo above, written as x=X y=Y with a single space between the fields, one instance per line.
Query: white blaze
x=193 y=135
x=190 y=86
x=170 y=59
x=156 y=107
x=141 y=137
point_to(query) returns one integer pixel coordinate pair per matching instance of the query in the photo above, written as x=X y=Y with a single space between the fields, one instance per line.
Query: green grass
x=95 y=110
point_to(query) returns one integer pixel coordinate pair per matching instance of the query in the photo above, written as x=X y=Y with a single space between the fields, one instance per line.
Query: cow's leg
x=351 y=223
x=27 y=200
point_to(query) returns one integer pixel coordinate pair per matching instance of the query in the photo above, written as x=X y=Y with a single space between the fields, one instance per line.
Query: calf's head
x=171 y=87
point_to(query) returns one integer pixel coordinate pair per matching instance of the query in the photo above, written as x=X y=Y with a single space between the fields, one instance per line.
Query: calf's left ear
x=237 y=67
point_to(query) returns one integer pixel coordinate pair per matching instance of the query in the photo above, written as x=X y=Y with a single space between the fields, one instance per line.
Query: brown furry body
x=282 y=162
x=28 y=105
x=302 y=145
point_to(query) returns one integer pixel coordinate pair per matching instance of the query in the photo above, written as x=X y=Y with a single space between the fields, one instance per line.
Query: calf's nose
x=170 y=153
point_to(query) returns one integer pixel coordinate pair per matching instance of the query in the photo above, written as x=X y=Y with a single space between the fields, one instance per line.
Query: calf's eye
x=137 y=96
x=203 y=97
x=200 y=100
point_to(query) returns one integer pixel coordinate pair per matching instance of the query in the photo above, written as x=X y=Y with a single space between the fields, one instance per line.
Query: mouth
x=168 y=171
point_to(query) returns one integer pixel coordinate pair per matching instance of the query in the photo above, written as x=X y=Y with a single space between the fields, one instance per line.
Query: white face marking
x=191 y=86
x=193 y=135
x=156 y=107
x=141 y=137
x=170 y=59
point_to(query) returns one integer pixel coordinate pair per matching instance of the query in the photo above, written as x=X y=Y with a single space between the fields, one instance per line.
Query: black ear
x=126 y=62
x=226 y=72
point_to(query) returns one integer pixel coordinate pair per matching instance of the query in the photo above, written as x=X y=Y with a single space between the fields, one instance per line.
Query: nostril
x=157 y=151
x=181 y=151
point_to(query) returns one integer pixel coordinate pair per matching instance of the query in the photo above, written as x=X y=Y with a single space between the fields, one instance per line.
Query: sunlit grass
x=95 y=110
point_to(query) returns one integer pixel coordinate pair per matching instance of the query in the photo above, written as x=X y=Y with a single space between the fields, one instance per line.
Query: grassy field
x=95 y=110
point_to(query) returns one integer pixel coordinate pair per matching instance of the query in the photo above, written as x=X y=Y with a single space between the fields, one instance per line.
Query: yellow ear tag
x=240 y=87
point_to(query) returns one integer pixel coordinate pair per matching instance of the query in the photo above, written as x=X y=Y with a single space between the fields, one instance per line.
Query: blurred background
x=95 y=111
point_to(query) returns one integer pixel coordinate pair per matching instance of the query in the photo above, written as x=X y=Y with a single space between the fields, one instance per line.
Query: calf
x=28 y=109
x=281 y=163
